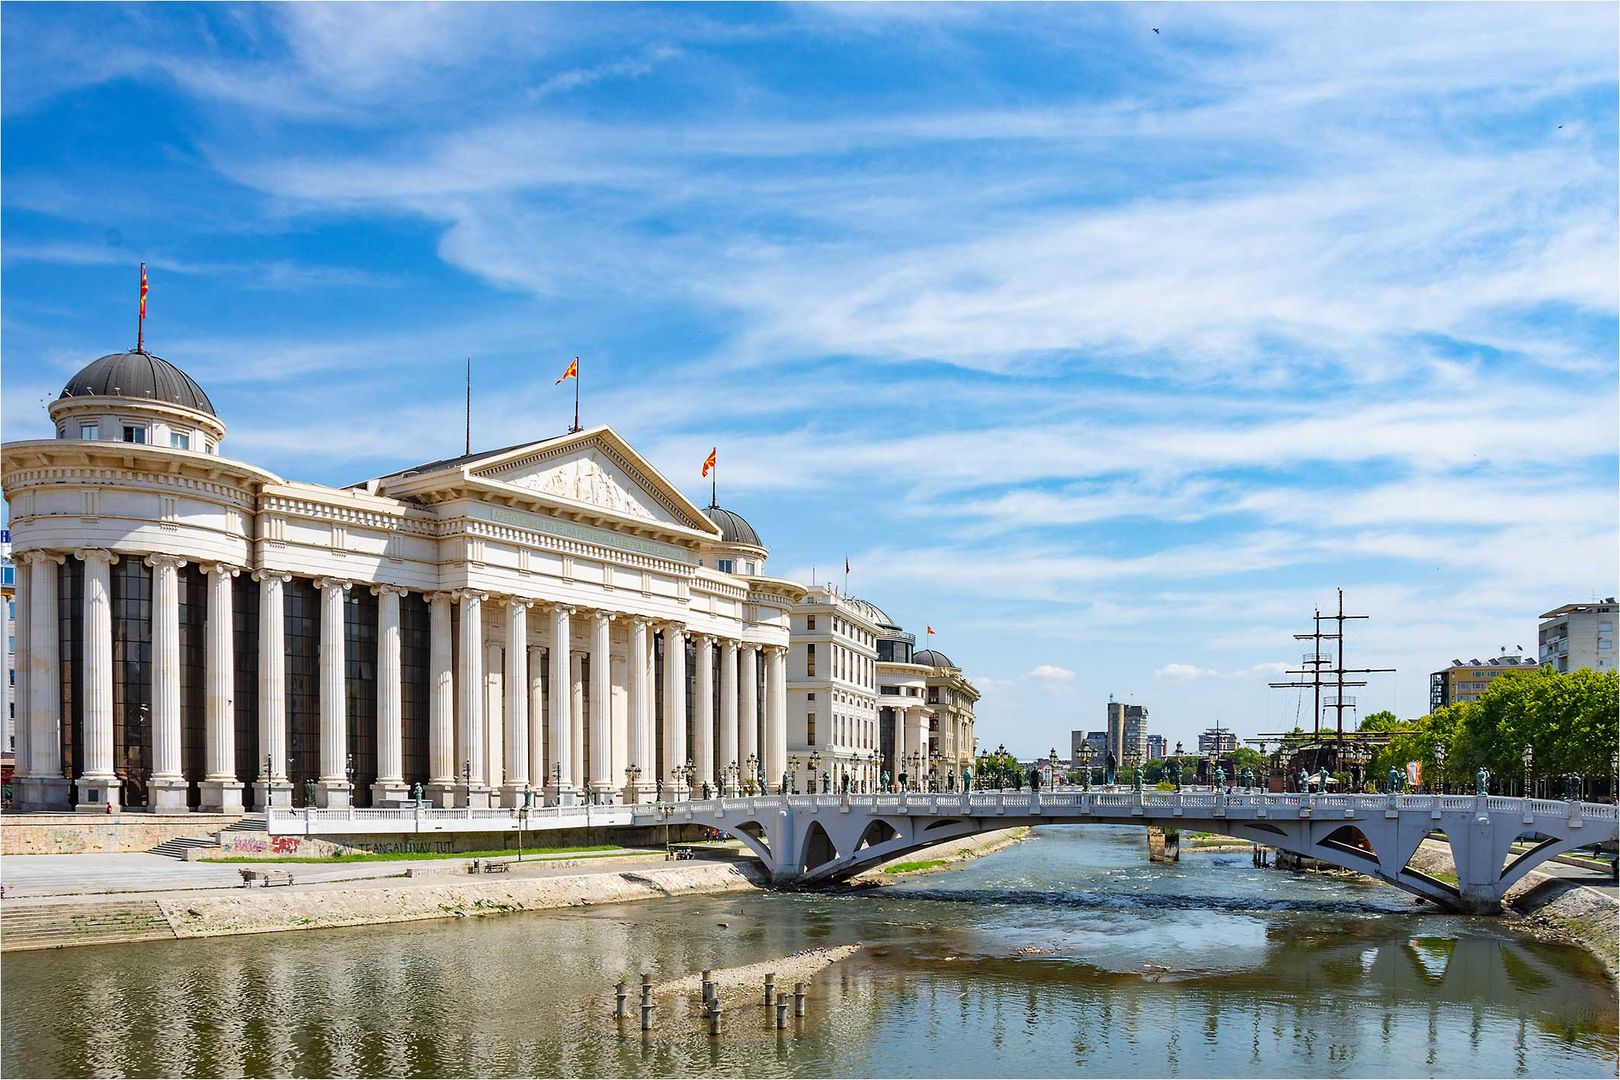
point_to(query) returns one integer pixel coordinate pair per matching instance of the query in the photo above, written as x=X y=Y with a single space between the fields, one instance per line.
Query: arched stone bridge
x=803 y=839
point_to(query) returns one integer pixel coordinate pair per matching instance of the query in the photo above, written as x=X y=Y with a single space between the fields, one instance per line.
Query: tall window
x=810 y=659
x=245 y=647
x=810 y=730
x=69 y=608
x=132 y=677
x=809 y=622
x=415 y=675
x=360 y=690
x=193 y=680
x=303 y=627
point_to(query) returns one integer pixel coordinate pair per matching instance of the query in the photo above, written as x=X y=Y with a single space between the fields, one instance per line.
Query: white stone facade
x=832 y=692
x=546 y=621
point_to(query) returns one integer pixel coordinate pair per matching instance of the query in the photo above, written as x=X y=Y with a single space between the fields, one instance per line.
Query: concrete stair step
x=177 y=847
x=47 y=926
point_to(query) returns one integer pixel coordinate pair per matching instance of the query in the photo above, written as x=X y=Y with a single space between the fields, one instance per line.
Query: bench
x=266 y=878
x=488 y=867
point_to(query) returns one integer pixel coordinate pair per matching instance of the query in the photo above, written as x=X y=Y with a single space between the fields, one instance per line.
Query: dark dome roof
x=138 y=375
x=870 y=610
x=734 y=529
x=931 y=658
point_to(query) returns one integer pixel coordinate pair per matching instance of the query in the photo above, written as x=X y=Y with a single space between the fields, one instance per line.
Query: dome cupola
x=739 y=549
x=136 y=397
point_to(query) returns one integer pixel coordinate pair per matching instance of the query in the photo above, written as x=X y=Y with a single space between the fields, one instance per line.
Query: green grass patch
x=913 y=867
x=586 y=850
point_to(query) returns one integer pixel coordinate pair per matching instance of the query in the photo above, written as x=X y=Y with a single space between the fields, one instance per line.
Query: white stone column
x=900 y=750
x=562 y=784
x=166 y=788
x=917 y=743
x=675 y=750
x=97 y=784
x=775 y=714
x=640 y=733
x=473 y=790
x=19 y=627
x=748 y=709
x=576 y=718
x=332 y=789
x=537 y=722
x=601 y=718
x=516 y=731
x=47 y=789
x=221 y=790
x=441 y=704
x=274 y=789
x=389 y=789
x=703 y=721
x=728 y=716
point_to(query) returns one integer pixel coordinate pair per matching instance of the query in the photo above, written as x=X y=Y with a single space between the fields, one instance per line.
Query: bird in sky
x=1156 y=30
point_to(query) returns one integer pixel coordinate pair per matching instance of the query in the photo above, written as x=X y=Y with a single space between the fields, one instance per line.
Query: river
x=1210 y=967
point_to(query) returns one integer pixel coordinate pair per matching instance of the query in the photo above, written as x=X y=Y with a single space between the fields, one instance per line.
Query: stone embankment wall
x=77 y=834
x=258 y=845
x=259 y=911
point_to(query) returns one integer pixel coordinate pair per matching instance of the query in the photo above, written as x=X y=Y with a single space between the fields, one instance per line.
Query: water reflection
x=1207 y=968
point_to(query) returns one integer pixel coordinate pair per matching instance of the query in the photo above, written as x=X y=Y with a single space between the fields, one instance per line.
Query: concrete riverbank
x=433 y=890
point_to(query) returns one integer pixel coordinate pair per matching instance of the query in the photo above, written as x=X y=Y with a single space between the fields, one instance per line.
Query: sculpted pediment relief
x=587 y=475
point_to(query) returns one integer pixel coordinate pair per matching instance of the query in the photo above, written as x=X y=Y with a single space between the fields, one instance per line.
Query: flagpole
x=576 y=394
x=469 y=405
x=140 y=321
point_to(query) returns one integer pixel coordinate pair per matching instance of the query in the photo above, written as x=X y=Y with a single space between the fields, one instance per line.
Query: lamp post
x=348 y=773
x=752 y=765
x=1614 y=776
x=793 y=772
x=1528 y=757
x=632 y=773
x=1085 y=766
x=815 y=769
x=523 y=816
x=688 y=774
x=1440 y=764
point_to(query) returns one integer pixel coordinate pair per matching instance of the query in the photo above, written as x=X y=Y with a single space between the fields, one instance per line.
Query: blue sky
x=1109 y=353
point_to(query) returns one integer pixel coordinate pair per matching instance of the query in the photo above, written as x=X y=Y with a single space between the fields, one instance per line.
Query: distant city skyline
x=1107 y=353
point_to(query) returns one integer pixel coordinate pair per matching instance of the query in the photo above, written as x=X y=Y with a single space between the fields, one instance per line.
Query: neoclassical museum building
x=553 y=620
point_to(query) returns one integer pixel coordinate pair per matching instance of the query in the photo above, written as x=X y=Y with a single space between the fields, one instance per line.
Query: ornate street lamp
x=1085 y=766
x=1614 y=776
x=1440 y=764
x=1528 y=757
x=632 y=773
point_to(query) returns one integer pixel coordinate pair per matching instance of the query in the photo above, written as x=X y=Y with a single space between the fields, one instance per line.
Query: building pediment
x=592 y=476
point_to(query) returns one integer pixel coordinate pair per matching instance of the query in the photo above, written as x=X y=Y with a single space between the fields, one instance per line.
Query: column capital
x=639 y=622
x=157 y=559
x=562 y=609
x=728 y=644
x=601 y=615
x=703 y=639
x=384 y=589
x=325 y=583
x=441 y=596
x=96 y=555
x=225 y=570
x=518 y=601
x=675 y=628
x=469 y=596
x=272 y=575
x=777 y=651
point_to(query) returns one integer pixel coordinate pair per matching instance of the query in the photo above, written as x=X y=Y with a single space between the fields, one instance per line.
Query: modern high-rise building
x=1127 y=731
x=1155 y=748
x=1466 y=680
x=1579 y=636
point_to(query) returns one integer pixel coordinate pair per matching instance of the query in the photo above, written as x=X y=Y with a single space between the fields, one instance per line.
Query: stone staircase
x=248 y=823
x=55 y=926
x=177 y=847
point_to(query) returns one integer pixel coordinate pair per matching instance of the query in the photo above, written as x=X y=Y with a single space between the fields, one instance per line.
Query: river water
x=1211 y=967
